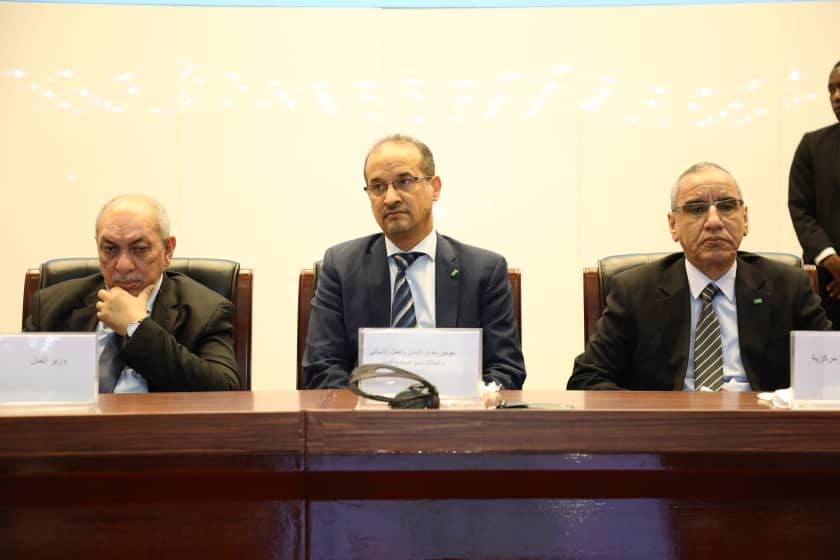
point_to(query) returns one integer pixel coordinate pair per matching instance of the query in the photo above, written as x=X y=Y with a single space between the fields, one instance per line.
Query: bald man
x=157 y=330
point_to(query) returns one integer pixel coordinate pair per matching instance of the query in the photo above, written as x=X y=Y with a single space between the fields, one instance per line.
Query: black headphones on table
x=419 y=395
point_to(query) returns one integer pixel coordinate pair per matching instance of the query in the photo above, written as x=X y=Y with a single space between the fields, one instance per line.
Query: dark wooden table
x=294 y=475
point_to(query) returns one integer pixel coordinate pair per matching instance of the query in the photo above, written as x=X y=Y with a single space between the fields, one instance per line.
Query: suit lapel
x=754 y=301
x=447 y=284
x=674 y=305
x=834 y=158
x=166 y=311
x=84 y=319
x=378 y=282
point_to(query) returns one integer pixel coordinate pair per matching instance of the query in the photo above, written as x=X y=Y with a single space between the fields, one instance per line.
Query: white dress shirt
x=724 y=305
x=420 y=276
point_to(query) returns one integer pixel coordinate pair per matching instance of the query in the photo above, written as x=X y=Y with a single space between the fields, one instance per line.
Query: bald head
x=140 y=204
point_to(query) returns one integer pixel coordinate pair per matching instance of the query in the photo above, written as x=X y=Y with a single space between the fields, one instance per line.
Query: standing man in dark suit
x=814 y=201
x=710 y=316
x=450 y=284
x=158 y=330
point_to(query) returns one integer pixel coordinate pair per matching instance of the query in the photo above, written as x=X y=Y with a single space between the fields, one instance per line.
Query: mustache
x=126 y=278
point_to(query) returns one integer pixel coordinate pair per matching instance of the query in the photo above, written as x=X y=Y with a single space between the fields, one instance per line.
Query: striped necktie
x=402 y=308
x=708 y=352
x=110 y=366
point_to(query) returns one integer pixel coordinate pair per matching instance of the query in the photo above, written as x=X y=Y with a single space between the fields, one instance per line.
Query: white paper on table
x=815 y=365
x=450 y=359
x=38 y=368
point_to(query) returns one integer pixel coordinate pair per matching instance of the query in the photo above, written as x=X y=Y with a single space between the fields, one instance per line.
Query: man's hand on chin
x=117 y=308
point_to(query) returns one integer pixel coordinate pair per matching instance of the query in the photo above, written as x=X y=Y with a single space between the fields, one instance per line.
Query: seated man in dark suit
x=710 y=317
x=408 y=276
x=158 y=330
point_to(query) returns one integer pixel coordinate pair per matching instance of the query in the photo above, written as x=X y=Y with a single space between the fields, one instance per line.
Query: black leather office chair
x=222 y=276
x=308 y=280
x=596 y=281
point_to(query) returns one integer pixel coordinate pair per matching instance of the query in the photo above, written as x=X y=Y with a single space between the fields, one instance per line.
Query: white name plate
x=40 y=368
x=815 y=365
x=450 y=359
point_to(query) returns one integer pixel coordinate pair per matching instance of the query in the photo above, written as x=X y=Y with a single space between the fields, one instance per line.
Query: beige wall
x=557 y=133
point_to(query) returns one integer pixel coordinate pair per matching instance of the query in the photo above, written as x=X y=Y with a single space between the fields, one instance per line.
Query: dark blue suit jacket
x=354 y=291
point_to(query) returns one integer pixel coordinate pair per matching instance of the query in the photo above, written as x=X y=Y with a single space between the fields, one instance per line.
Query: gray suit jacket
x=642 y=339
x=354 y=291
x=185 y=345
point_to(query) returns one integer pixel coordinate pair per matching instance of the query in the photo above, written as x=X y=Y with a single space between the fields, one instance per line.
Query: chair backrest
x=222 y=276
x=308 y=280
x=596 y=281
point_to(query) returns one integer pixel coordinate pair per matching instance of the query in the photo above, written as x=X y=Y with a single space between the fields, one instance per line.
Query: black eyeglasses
x=726 y=207
x=403 y=185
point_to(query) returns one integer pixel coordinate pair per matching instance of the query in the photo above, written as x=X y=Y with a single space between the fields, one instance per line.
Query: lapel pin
x=455 y=272
x=758 y=301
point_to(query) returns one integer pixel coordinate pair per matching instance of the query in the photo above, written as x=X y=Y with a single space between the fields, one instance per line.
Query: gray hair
x=427 y=164
x=697 y=168
x=153 y=203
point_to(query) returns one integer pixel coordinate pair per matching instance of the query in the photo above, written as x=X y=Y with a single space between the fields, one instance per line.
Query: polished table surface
x=306 y=474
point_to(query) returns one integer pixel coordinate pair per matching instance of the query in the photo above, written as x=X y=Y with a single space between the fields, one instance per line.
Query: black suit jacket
x=642 y=339
x=185 y=345
x=354 y=291
x=814 y=191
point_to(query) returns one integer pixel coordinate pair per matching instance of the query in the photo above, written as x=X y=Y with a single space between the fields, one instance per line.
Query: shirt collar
x=428 y=246
x=697 y=281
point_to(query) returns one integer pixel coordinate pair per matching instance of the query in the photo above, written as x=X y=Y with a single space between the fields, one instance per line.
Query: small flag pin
x=455 y=272
x=758 y=300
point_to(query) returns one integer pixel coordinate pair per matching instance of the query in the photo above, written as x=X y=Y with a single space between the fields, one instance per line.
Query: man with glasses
x=709 y=318
x=408 y=276
x=813 y=203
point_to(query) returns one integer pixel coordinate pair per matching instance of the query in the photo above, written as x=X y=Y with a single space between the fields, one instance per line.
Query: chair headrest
x=217 y=274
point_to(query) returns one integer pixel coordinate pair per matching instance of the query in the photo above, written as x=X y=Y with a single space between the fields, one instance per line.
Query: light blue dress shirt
x=129 y=381
x=734 y=376
x=420 y=276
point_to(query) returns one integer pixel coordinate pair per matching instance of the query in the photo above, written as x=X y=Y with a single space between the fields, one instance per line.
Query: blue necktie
x=708 y=349
x=402 y=308
x=110 y=366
